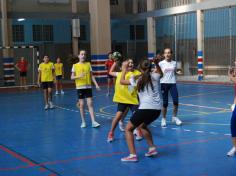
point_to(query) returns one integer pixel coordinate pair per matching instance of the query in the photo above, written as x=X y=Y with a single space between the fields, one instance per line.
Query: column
x=200 y=43
x=8 y=60
x=75 y=29
x=100 y=36
x=151 y=31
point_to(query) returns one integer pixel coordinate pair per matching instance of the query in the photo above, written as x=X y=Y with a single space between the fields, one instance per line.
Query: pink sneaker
x=151 y=152
x=130 y=158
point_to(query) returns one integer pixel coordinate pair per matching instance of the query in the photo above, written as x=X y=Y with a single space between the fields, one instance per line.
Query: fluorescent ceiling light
x=21 y=19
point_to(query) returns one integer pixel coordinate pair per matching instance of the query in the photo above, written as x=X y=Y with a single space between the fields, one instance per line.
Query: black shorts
x=145 y=116
x=23 y=74
x=59 y=77
x=84 y=93
x=122 y=107
x=46 y=85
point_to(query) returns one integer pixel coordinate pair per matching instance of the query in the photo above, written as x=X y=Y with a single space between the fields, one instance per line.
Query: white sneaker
x=138 y=134
x=57 y=93
x=62 y=92
x=163 y=122
x=232 y=107
x=83 y=125
x=95 y=124
x=121 y=126
x=232 y=152
x=51 y=106
x=177 y=121
x=46 y=107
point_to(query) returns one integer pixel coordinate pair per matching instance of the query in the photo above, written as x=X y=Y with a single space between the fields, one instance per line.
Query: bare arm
x=74 y=77
x=17 y=67
x=63 y=72
x=94 y=81
x=124 y=71
x=39 y=77
x=112 y=70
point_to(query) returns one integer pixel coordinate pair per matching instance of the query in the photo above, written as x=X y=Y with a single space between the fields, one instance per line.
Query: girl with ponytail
x=148 y=86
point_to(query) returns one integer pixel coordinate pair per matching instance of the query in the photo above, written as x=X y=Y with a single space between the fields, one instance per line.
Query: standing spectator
x=22 y=66
x=110 y=79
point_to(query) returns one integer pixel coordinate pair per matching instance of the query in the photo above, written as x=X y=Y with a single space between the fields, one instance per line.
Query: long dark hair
x=145 y=66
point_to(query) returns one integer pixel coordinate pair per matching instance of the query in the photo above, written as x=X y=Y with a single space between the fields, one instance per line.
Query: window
x=136 y=32
x=18 y=33
x=82 y=32
x=42 y=32
x=114 y=2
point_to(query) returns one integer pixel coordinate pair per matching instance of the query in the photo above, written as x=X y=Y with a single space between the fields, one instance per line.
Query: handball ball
x=117 y=56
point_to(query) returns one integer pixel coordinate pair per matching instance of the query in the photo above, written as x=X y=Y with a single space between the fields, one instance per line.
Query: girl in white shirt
x=168 y=85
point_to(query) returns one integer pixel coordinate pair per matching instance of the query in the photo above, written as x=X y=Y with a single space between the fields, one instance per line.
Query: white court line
x=200 y=131
x=213 y=133
x=187 y=130
x=227 y=134
x=174 y=128
x=207 y=107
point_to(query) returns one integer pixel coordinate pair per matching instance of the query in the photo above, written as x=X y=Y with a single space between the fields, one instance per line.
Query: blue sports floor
x=35 y=142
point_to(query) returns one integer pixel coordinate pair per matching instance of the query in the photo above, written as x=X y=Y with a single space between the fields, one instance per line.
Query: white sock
x=132 y=155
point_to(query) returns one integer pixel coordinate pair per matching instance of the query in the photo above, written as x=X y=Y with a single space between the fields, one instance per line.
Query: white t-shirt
x=148 y=98
x=168 y=69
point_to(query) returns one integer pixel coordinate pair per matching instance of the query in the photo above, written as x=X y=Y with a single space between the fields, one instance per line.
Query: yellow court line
x=102 y=109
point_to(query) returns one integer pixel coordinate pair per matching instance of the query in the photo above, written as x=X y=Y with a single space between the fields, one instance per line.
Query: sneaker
x=110 y=137
x=51 y=106
x=130 y=158
x=62 y=92
x=151 y=152
x=121 y=126
x=232 y=107
x=232 y=152
x=83 y=125
x=95 y=124
x=176 y=120
x=57 y=93
x=138 y=134
x=46 y=107
x=163 y=122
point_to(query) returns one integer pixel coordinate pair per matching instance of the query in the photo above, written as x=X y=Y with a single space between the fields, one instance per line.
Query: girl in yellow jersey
x=46 y=81
x=82 y=74
x=125 y=96
x=59 y=73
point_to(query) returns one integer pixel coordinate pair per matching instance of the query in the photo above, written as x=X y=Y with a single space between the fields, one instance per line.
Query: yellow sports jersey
x=58 y=68
x=82 y=68
x=46 y=71
x=125 y=93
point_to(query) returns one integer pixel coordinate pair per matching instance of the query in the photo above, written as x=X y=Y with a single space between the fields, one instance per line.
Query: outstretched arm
x=112 y=70
x=124 y=71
